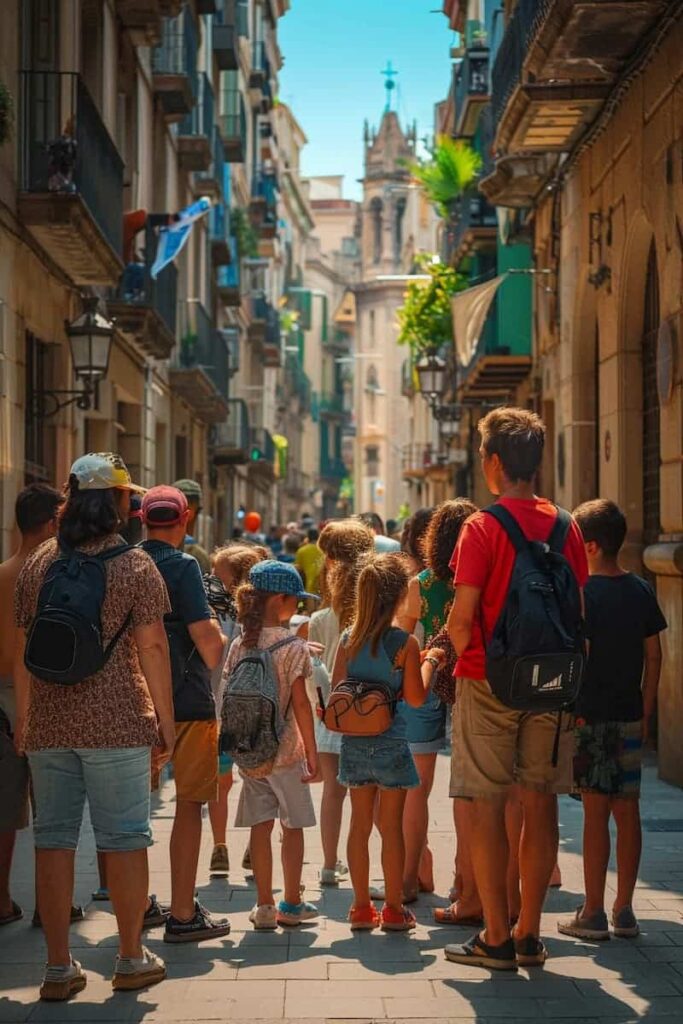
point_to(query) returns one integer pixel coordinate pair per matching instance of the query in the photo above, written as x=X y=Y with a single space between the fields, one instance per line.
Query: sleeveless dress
x=324 y=629
x=426 y=726
x=384 y=761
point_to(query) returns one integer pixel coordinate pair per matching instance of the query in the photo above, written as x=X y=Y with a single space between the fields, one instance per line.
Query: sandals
x=364 y=919
x=530 y=951
x=16 y=914
x=449 y=916
x=392 y=920
x=478 y=953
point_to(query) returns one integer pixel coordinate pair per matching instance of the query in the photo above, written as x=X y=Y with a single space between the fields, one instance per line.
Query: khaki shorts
x=281 y=795
x=494 y=746
x=195 y=761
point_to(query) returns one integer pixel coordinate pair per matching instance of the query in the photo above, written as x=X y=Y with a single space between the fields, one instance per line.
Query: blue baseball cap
x=278 y=578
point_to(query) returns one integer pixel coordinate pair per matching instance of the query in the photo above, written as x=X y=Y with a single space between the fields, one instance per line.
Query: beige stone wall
x=632 y=174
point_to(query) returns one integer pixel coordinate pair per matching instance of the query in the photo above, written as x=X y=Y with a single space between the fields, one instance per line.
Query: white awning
x=470 y=309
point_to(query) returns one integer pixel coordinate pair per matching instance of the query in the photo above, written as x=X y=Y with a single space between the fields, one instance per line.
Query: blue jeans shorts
x=376 y=761
x=116 y=782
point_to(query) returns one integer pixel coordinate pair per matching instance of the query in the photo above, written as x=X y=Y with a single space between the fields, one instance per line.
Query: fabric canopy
x=470 y=309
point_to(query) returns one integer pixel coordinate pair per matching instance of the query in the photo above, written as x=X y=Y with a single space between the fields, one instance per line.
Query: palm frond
x=452 y=169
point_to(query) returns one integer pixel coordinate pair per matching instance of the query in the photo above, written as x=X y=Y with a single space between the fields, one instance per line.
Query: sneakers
x=61 y=983
x=199 y=928
x=594 y=927
x=132 y=973
x=155 y=915
x=392 y=920
x=333 y=876
x=264 y=918
x=77 y=914
x=220 y=861
x=293 y=914
x=478 y=953
x=625 y=923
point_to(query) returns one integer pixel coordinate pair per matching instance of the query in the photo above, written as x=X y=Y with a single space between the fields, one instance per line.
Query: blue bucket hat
x=278 y=578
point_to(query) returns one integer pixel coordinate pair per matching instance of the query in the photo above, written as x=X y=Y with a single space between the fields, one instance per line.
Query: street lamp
x=90 y=339
x=431 y=373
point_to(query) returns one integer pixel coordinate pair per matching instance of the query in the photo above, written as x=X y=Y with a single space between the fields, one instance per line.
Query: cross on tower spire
x=389 y=83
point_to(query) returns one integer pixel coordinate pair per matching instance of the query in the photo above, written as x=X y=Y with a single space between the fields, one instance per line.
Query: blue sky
x=334 y=51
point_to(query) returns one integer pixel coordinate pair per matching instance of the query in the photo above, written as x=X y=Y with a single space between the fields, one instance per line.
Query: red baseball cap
x=163 y=506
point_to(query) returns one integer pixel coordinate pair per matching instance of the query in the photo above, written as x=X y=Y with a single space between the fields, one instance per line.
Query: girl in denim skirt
x=380 y=768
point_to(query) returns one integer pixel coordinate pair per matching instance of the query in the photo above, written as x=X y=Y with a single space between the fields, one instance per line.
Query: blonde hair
x=251 y=610
x=345 y=544
x=382 y=583
x=239 y=558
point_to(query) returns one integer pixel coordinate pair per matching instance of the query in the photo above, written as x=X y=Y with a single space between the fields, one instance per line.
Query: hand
x=312 y=771
x=19 y=734
x=438 y=653
x=315 y=649
x=167 y=737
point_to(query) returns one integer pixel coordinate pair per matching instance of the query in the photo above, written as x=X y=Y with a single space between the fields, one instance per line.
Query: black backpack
x=64 y=643
x=534 y=660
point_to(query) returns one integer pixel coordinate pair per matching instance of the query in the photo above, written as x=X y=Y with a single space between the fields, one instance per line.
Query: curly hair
x=87 y=515
x=442 y=535
x=382 y=584
x=240 y=558
x=345 y=544
x=251 y=610
x=414 y=531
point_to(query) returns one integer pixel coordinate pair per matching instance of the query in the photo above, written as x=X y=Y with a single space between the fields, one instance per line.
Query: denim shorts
x=376 y=761
x=116 y=782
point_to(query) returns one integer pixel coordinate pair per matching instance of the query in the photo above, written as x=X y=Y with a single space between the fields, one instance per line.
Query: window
x=37 y=435
x=376 y=216
x=399 y=213
x=372 y=460
x=372 y=328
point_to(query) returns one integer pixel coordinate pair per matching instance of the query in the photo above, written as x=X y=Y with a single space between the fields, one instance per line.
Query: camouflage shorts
x=608 y=758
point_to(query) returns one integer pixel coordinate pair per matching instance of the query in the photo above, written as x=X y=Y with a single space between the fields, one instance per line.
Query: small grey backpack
x=251 y=721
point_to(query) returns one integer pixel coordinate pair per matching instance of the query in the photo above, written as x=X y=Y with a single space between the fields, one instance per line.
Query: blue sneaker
x=293 y=914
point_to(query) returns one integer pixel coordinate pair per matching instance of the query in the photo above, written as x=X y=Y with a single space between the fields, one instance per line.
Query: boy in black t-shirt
x=623 y=623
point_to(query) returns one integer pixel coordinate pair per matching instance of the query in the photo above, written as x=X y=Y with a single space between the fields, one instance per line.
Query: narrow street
x=324 y=973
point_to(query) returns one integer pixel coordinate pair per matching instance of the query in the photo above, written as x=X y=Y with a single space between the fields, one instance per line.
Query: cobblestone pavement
x=326 y=973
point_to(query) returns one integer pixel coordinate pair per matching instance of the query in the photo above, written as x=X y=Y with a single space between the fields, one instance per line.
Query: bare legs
x=331 y=807
x=626 y=811
x=128 y=877
x=537 y=857
x=596 y=849
x=218 y=810
x=54 y=891
x=362 y=812
x=390 y=806
x=416 y=822
x=186 y=839
x=292 y=853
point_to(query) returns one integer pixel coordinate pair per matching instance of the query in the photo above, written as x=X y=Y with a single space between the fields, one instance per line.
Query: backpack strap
x=560 y=530
x=159 y=555
x=509 y=524
x=103 y=556
x=282 y=643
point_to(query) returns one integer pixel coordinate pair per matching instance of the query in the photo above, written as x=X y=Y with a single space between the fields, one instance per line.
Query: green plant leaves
x=453 y=167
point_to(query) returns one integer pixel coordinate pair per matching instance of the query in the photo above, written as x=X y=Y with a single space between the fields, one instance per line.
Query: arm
x=22 y=688
x=414 y=689
x=462 y=616
x=653 y=665
x=209 y=641
x=152 y=646
x=340 y=670
x=301 y=706
x=409 y=611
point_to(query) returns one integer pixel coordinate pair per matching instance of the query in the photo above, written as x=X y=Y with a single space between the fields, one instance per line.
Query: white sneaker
x=329 y=876
x=264 y=918
x=341 y=868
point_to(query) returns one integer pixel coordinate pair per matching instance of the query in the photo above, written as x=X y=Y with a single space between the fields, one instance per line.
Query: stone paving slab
x=327 y=975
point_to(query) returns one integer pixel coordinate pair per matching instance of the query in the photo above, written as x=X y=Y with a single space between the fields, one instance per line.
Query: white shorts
x=281 y=795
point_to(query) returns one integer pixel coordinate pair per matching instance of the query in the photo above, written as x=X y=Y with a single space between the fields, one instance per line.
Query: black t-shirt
x=192 y=694
x=621 y=612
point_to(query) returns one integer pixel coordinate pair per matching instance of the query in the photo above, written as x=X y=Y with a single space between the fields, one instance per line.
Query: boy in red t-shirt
x=495 y=747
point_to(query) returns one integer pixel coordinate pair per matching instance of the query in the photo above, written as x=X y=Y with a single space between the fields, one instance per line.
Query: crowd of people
x=344 y=653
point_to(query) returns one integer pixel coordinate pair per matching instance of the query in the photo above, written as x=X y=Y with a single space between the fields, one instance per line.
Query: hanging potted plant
x=425 y=318
x=6 y=114
x=451 y=169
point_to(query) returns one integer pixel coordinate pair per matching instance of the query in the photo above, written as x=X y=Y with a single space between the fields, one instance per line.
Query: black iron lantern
x=431 y=373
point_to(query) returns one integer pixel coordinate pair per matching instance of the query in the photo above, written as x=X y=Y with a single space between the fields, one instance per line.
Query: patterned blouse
x=436 y=599
x=112 y=708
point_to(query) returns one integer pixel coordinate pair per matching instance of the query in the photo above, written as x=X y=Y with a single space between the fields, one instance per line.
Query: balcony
x=231 y=339
x=331 y=405
x=262 y=452
x=145 y=309
x=233 y=119
x=263 y=205
x=257 y=75
x=230 y=440
x=418 y=460
x=219 y=235
x=196 y=130
x=242 y=18
x=557 y=63
x=296 y=484
x=208 y=6
x=332 y=468
x=228 y=277
x=174 y=66
x=407 y=379
x=71 y=178
x=264 y=330
x=225 y=37
x=471 y=89
x=142 y=18
x=298 y=383
x=474 y=227
x=495 y=371
x=200 y=369
x=211 y=182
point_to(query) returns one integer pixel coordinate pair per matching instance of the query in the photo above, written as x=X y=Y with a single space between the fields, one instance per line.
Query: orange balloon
x=252 y=522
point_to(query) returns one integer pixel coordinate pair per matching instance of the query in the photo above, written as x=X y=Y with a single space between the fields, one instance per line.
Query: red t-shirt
x=484 y=557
